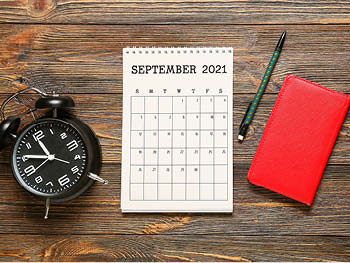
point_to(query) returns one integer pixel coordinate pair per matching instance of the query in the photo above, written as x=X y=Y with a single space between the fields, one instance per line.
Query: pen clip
x=245 y=115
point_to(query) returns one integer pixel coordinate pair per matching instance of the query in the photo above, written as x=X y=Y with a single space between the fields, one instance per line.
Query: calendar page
x=177 y=130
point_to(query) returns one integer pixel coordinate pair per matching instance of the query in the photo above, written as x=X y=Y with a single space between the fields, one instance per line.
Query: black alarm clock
x=56 y=157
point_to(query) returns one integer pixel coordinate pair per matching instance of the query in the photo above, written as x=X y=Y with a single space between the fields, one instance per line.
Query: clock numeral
x=38 y=179
x=75 y=169
x=64 y=180
x=49 y=183
x=28 y=145
x=24 y=159
x=63 y=136
x=30 y=170
x=38 y=135
x=72 y=145
x=77 y=157
x=51 y=131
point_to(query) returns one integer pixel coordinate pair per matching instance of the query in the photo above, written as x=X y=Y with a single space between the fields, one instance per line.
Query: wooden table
x=76 y=46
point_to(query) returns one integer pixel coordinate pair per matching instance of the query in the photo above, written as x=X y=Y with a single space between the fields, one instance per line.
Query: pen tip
x=281 y=41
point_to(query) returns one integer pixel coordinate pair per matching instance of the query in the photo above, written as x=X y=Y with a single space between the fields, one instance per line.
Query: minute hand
x=46 y=151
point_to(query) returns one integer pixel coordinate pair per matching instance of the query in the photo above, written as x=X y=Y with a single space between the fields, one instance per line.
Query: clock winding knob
x=97 y=178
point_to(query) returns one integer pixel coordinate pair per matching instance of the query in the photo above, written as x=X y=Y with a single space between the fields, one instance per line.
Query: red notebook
x=298 y=139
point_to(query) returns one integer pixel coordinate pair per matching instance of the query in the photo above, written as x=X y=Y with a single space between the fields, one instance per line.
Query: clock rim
x=84 y=182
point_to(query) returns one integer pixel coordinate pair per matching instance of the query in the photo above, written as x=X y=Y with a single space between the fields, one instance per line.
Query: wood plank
x=172 y=248
x=108 y=126
x=257 y=211
x=244 y=152
x=88 y=59
x=175 y=12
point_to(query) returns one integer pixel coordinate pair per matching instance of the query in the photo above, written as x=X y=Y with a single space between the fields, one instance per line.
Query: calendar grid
x=172 y=147
x=179 y=164
x=213 y=148
x=144 y=156
x=158 y=158
x=200 y=139
x=186 y=150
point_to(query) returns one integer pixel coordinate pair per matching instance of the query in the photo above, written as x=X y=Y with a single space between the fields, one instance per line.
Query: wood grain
x=174 y=12
x=75 y=47
x=108 y=126
x=88 y=59
x=244 y=152
x=94 y=248
x=257 y=211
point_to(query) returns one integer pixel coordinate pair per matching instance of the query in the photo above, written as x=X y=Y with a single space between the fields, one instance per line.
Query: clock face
x=49 y=157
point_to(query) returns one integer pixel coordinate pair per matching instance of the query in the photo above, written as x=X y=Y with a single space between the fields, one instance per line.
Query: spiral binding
x=176 y=50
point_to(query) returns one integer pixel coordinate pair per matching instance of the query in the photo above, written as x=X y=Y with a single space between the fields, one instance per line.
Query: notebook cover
x=298 y=139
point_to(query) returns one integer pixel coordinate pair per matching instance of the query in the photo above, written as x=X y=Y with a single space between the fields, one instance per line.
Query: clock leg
x=97 y=178
x=47 y=207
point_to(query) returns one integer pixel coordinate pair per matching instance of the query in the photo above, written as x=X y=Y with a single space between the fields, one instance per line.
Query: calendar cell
x=136 y=174
x=151 y=121
x=151 y=156
x=193 y=104
x=165 y=156
x=192 y=156
x=151 y=174
x=206 y=192
x=150 y=192
x=220 y=191
x=165 y=139
x=193 y=120
x=220 y=172
x=151 y=104
x=192 y=174
x=137 y=139
x=179 y=139
x=179 y=192
x=207 y=104
x=151 y=139
x=136 y=192
x=164 y=191
x=137 y=156
x=179 y=104
x=192 y=138
x=137 y=122
x=137 y=104
x=207 y=174
x=165 y=104
x=220 y=121
x=220 y=138
x=207 y=139
x=179 y=121
x=165 y=121
x=207 y=121
x=220 y=103
x=165 y=174
x=192 y=192
x=179 y=174
x=220 y=156
x=207 y=156
x=179 y=156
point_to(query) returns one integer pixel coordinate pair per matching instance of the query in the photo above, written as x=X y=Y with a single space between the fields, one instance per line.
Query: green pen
x=243 y=128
